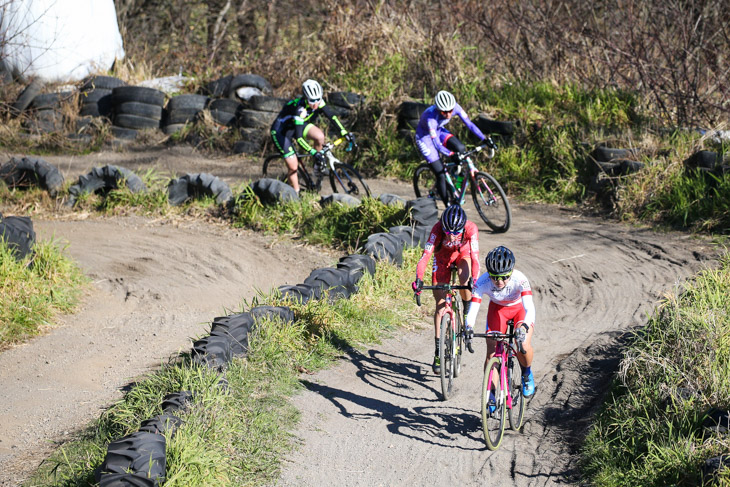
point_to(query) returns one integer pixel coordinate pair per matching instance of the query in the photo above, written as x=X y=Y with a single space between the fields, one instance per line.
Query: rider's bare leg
x=292 y=164
x=526 y=358
x=440 y=296
x=464 y=267
x=316 y=135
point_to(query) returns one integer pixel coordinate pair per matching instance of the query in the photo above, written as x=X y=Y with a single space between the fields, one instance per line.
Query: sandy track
x=375 y=419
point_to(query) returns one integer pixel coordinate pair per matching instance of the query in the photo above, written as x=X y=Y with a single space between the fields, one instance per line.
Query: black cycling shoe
x=436 y=365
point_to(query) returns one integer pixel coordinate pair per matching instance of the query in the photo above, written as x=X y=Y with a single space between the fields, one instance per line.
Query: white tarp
x=59 y=40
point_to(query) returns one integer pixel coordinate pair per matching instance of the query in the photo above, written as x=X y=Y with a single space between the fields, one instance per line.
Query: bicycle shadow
x=438 y=423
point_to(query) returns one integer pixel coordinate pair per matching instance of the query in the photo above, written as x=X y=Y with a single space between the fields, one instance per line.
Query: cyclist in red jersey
x=510 y=298
x=453 y=240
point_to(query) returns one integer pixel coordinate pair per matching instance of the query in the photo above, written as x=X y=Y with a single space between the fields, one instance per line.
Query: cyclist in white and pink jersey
x=510 y=298
x=454 y=241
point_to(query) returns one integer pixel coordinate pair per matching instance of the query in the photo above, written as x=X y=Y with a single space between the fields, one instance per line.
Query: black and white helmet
x=500 y=260
x=445 y=101
x=312 y=91
x=453 y=219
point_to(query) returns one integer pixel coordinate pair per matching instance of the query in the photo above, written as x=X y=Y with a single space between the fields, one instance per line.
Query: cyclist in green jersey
x=294 y=123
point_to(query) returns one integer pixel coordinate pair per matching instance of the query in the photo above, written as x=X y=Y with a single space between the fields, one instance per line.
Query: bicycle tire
x=424 y=182
x=487 y=193
x=446 y=356
x=275 y=167
x=458 y=308
x=345 y=179
x=493 y=422
x=517 y=411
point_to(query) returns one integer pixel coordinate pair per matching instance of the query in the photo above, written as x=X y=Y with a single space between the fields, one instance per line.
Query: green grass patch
x=650 y=432
x=238 y=436
x=34 y=290
x=334 y=224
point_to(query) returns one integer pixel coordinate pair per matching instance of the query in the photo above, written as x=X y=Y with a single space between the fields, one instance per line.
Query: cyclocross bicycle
x=502 y=387
x=343 y=177
x=453 y=333
x=489 y=198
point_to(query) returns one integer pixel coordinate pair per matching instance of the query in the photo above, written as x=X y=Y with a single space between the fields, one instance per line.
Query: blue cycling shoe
x=492 y=404
x=528 y=385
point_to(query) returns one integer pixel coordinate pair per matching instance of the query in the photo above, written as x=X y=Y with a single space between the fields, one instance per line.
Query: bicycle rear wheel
x=493 y=405
x=275 y=167
x=517 y=411
x=345 y=179
x=446 y=356
x=491 y=202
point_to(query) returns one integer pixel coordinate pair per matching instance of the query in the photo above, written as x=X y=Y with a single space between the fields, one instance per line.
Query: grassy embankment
x=650 y=431
x=34 y=290
x=237 y=436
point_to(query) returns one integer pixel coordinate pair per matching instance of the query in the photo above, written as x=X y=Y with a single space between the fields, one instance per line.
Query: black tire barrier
x=47 y=101
x=345 y=99
x=195 y=186
x=145 y=110
x=365 y=261
x=714 y=465
x=489 y=126
x=161 y=424
x=384 y=246
x=717 y=421
x=104 y=179
x=707 y=161
x=124 y=133
x=237 y=333
x=248 y=146
x=300 y=293
x=335 y=282
x=28 y=172
x=187 y=102
x=424 y=211
x=177 y=401
x=248 y=81
x=101 y=82
x=341 y=199
x=411 y=110
x=266 y=103
x=619 y=167
x=225 y=111
x=97 y=103
x=413 y=236
x=139 y=456
x=140 y=94
x=272 y=191
x=218 y=88
x=26 y=96
x=282 y=313
x=391 y=200
x=255 y=119
x=607 y=154
x=180 y=115
x=135 y=122
x=18 y=234
x=213 y=352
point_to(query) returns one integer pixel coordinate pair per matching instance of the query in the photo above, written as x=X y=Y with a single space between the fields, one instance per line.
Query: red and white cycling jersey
x=516 y=292
x=447 y=252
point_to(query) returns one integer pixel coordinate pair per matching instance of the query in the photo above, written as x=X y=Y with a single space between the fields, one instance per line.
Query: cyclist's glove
x=417 y=285
x=521 y=332
x=319 y=157
x=350 y=137
x=456 y=157
x=490 y=143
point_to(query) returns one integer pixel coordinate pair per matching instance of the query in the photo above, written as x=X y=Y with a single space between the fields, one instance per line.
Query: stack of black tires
x=136 y=108
x=182 y=109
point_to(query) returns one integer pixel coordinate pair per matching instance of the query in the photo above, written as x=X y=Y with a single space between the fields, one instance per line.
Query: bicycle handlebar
x=493 y=335
x=444 y=287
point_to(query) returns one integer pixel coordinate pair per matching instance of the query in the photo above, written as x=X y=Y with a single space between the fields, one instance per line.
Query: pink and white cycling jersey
x=517 y=291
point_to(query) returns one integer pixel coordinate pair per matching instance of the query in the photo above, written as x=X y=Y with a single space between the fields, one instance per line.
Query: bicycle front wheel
x=446 y=356
x=459 y=336
x=345 y=179
x=424 y=182
x=275 y=167
x=491 y=202
x=517 y=411
x=493 y=404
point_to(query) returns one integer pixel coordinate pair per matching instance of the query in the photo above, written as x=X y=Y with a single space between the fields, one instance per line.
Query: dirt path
x=375 y=419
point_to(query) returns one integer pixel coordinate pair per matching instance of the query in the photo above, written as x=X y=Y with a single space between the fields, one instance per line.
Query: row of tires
x=139 y=458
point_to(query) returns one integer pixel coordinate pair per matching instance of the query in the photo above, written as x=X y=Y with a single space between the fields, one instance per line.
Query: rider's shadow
x=437 y=423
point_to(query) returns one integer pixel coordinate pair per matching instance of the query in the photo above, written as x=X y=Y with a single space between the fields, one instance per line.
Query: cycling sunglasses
x=445 y=113
x=500 y=277
x=453 y=233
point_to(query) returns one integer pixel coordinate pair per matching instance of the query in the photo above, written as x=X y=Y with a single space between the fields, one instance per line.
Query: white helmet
x=445 y=101
x=312 y=91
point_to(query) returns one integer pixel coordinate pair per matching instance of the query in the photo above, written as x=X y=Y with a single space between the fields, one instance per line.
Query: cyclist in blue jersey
x=294 y=122
x=432 y=138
